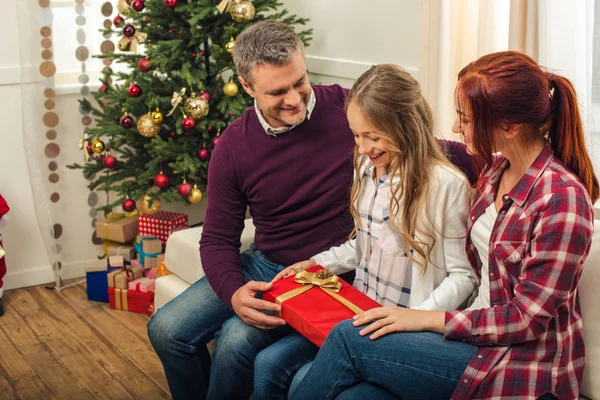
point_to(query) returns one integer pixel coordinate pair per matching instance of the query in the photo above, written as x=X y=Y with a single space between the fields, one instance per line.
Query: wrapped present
x=136 y=263
x=315 y=300
x=122 y=230
x=129 y=300
x=127 y=252
x=161 y=224
x=116 y=262
x=96 y=282
x=142 y=285
x=148 y=249
x=120 y=278
x=151 y=273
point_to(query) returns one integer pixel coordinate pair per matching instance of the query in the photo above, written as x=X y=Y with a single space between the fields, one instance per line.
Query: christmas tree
x=157 y=123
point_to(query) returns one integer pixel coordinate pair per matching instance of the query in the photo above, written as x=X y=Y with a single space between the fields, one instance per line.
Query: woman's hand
x=294 y=269
x=384 y=320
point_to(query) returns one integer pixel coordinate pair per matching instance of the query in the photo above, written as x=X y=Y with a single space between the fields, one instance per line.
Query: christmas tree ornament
x=176 y=100
x=134 y=91
x=128 y=205
x=157 y=117
x=109 y=161
x=132 y=40
x=128 y=31
x=144 y=65
x=195 y=196
x=103 y=88
x=230 y=89
x=161 y=180
x=124 y=46
x=205 y=95
x=118 y=21
x=126 y=121
x=215 y=140
x=84 y=145
x=98 y=146
x=204 y=154
x=146 y=127
x=188 y=123
x=89 y=150
x=137 y=5
x=196 y=107
x=184 y=189
x=229 y=45
x=146 y=205
x=242 y=11
x=170 y=3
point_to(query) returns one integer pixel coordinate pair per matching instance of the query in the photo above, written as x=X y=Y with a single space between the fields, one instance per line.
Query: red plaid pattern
x=161 y=224
x=531 y=339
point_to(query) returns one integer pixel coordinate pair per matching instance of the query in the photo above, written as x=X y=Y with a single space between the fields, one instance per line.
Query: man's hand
x=294 y=269
x=248 y=307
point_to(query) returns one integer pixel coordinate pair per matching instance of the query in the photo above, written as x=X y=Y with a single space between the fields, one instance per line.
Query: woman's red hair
x=508 y=88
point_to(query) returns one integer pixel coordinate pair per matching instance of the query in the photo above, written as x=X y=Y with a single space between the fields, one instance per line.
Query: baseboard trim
x=43 y=275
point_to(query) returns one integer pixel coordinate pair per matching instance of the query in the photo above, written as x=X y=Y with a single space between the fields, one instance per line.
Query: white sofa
x=183 y=261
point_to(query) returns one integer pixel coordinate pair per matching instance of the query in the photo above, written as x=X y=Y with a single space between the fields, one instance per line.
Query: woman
x=529 y=233
x=410 y=222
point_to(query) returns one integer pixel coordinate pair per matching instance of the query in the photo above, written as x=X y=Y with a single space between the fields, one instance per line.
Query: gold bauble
x=195 y=196
x=229 y=46
x=242 y=11
x=230 y=89
x=196 y=107
x=144 y=207
x=146 y=127
x=98 y=146
x=124 y=46
x=157 y=117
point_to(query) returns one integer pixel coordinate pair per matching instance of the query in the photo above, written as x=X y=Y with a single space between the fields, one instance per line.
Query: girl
x=410 y=208
x=529 y=233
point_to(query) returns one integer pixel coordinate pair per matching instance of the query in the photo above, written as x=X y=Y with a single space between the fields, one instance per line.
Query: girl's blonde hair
x=391 y=100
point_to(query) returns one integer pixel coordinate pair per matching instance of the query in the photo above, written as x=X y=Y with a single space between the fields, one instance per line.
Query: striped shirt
x=531 y=338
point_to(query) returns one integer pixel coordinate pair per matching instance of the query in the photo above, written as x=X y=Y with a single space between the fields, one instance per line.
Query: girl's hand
x=384 y=320
x=294 y=269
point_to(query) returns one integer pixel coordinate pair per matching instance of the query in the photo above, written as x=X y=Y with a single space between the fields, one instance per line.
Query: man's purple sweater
x=297 y=185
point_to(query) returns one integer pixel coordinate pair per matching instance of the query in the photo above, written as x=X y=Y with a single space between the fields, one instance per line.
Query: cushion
x=167 y=288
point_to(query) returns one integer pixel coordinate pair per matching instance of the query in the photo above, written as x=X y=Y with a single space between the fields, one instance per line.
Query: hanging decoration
x=146 y=127
x=157 y=117
x=242 y=11
x=196 y=107
x=230 y=89
x=184 y=189
x=98 y=146
x=146 y=205
x=176 y=100
x=83 y=145
x=161 y=180
x=131 y=39
x=229 y=45
x=195 y=196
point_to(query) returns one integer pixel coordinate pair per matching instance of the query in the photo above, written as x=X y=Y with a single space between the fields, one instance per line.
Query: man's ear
x=246 y=87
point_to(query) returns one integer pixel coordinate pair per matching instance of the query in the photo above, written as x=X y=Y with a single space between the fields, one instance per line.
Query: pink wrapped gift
x=136 y=263
x=144 y=285
x=150 y=273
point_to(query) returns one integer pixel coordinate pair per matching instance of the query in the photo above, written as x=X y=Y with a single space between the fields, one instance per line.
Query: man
x=290 y=160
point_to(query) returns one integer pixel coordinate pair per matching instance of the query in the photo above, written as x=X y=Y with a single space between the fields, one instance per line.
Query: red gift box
x=161 y=224
x=131 y=300
x=315 y=312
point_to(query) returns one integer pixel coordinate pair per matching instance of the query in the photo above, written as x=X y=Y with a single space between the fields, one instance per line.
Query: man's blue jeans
x=407 y=365
x=180 y=331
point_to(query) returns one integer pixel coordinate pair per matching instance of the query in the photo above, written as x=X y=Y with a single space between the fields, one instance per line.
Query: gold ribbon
x=176 y=99
x=329 y=284
x=224 y=5
x=121 y=299
x=133 y=41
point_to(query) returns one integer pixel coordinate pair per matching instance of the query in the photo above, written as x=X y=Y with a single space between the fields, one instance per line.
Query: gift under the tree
x=116 y=262
x=121 y=230
x=127 y=252
x=161 y=224
x=96 y=282
x=148 y=248
x=314 y=301
x=131 y=300
x=120 y=278
x=142 y=285
x=151 y=273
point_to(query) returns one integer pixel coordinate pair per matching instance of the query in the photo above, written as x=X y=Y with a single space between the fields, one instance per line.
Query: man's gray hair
x=265 y=42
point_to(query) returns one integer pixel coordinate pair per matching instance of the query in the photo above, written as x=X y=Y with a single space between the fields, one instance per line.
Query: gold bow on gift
x=323 y=279
x=176 y=100
x=133 y=41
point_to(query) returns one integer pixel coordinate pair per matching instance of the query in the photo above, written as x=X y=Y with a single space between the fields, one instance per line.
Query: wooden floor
x=62 y=346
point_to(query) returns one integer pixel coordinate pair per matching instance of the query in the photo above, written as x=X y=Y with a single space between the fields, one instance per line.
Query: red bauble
x=134 y=91
x=170 y=3
x=126 y=122
x=128 y=205
x=144 y=66
x=161 y=180
x=215 y=140
x=109 y=162
x=128 y=31
x=184 y=189
x=88 y=148
x=204 y=154
x=206 y=96
x=118 y=21
x=103 y=88
x=137 y=5
x=188 y=123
